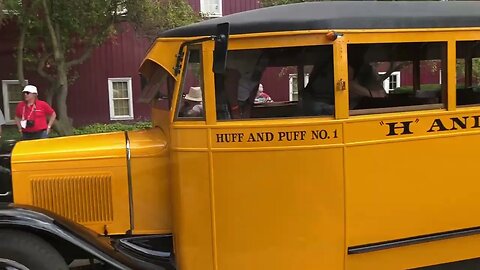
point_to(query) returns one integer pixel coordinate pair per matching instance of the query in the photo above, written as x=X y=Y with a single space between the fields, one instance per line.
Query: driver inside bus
x=242 y=78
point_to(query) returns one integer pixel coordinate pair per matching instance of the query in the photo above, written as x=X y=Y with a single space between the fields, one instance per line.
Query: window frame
x=111 y=103
x=9 y=117
x=473 y=104
x=182 y=84
x=443 y=105
x=310 y=41
x=207 y=13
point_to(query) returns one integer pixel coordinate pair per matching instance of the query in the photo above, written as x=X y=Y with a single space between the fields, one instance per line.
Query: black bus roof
x=342 y=15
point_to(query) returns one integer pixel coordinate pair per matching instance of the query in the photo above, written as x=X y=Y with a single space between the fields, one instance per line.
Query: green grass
x=423 y=87
x=427 y=87
x=10 y=132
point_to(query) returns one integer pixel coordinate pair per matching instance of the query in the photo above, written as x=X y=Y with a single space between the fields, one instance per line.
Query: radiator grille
x=80 y=198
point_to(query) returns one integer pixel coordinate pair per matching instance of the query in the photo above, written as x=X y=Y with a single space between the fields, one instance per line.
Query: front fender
x=34 y=219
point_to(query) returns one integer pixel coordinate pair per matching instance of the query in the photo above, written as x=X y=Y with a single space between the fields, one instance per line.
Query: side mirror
x=221 y=46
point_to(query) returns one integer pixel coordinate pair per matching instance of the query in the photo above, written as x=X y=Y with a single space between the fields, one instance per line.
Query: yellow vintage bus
x=360 y=153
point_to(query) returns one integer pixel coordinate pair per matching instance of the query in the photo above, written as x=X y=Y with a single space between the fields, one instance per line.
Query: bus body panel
x=83 y=178
x=401 y=186
x=91 y=184
x=274 y=214
x=191 y=198
x=233 y=205
x=419 y=255
x=150 y=168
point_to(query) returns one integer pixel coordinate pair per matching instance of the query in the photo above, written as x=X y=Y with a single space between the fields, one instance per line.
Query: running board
x=413 y=240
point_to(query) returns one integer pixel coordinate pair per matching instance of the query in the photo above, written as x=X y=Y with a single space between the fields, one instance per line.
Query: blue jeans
x=42 y=134
x=311 y=106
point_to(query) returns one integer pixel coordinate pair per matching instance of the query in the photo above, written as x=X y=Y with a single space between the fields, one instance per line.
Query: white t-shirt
x=246 y=63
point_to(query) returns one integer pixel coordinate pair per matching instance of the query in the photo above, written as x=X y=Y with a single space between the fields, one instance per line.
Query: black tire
x=28 y=250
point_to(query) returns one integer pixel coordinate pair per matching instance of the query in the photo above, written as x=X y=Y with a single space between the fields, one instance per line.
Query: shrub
x=9 y=132
x=103 y=128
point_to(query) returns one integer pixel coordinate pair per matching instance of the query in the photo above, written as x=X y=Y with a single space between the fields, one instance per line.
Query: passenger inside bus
x=262 y=97
x=363 y=79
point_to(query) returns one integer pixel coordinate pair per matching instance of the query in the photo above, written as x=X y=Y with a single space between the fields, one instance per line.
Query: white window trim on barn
x=130 y=116
x=386 y=82
x=211 y=8
x=9 y=116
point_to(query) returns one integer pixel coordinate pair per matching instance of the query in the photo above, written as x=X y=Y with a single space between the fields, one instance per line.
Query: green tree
x=154 y=16
x=461 y=70
x=63 y=33
x=1 y=10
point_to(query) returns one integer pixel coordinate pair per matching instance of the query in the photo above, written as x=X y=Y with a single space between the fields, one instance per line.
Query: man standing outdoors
x=32 y=114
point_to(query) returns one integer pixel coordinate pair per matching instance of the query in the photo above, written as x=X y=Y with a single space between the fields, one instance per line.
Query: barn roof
x=342 y=15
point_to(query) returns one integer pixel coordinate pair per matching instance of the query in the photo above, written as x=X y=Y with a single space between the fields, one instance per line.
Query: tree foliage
x=57 y=35
x=461 y=70
x=1 y=10
x=154 y=16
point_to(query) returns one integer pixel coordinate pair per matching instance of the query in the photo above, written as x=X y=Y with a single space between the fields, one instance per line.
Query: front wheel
x=26 y=251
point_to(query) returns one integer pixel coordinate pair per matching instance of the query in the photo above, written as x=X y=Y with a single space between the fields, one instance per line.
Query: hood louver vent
x=83 y=199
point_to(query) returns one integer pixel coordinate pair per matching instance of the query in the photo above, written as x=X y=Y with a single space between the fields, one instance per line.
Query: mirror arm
x=181 y=51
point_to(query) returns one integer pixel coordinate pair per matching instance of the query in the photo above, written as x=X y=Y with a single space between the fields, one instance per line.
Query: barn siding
x=235 y=6
x=195 y=4
x=8 y=67
x=230 y=6
x=7 y=51
x=276 y=84
x=119 y=57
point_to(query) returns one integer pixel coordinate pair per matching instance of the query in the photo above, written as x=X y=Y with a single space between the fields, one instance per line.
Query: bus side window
x=190 y=102
x=396 y=77
x=276 y=83
x=468 y=72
